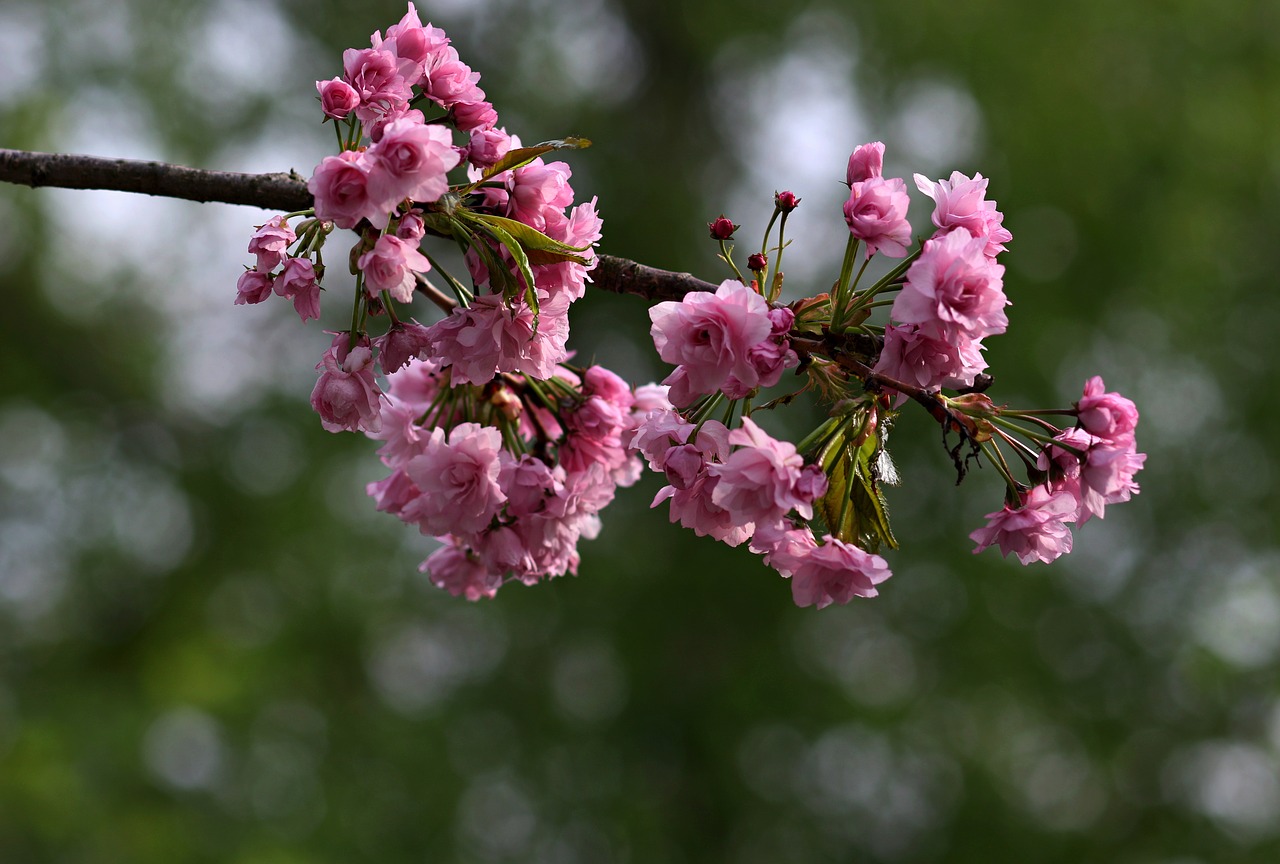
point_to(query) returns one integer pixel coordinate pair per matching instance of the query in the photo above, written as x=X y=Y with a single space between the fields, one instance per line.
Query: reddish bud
x=757 y=262
x=786 y=201
x=722 y=228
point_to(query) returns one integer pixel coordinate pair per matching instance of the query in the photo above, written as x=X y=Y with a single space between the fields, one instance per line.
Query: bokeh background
x=212 y=649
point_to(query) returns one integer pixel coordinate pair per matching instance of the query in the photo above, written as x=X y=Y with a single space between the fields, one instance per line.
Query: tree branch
x=282 y=192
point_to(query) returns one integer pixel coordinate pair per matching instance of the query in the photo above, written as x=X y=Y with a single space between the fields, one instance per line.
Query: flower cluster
x=496 y=444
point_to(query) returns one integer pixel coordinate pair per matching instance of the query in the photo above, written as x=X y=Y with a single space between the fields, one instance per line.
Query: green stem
x=724 y=253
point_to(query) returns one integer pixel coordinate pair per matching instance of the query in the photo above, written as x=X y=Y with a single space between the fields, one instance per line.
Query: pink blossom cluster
x=954 y=291
x=729 y=341
x=502 y=515
x=739 y=485
x=1091 y=466
x=297 y=280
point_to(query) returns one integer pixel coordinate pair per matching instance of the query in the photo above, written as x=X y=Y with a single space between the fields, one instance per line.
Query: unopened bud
x=786 y=201
x=721 y=228
x=507 y=402
x=756 y=262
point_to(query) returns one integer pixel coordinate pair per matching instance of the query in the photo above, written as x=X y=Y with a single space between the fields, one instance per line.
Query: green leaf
x=524 y=155
x=853 y=508
x=540 y=248
x=522 y=263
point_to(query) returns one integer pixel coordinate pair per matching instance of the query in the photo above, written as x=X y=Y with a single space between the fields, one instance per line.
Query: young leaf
x=524 y=155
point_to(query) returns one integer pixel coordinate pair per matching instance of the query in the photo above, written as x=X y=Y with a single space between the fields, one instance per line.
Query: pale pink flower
x=1102 y=475
x=758 y=481
x=337 y=98
x=876 y=214
x=416 y=383
x=711 y=335
x=865 y=163
x=253 y=286
x=1106 y=415
x=528 y=484
x=683 y=464
x=340 y=186
x=462 y=575
x=955 y=286
x=346 y=396
x=391 y=266
x=271 y=242
x=458 y=478
x=834 y=572
x=961 y=203
x=298 y=282
x=1035 y=531
x=661 y=429
x=652 y=397
x=694 y=508
x=410 y=160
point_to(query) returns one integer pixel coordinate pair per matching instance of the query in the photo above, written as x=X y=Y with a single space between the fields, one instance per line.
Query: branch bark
x=282 y=192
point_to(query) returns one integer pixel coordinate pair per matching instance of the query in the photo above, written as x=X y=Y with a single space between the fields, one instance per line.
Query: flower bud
x=785 y=201
x=757 y=262
x=722 y=228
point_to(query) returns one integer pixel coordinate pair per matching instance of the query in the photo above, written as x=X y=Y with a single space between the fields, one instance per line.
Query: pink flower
x=661 y=429
x=410 y=161
x=488 y=146
x=375 y=76
x=474 y=114
x=390 y=266
x=866 y=163
x=402 y=343
x=346 y=396
x=834 y=572
x=876 y=214
x=528 y=484
x=538 y=192
x=769 y=358
x=1036 y=531
x=462 y=575
x=925 y=356
x=955 y=286
x=271 y=242
x=253 y=286
x=1106 y=415
x=340 y=185
x=711 y=335
x=337 y=98
x=411 y=228
x=491 y=337
x=599 y=381
x=458 y=479
x=961 y=203
x=695 y=509
x=449 y=80
x=758 y=481
x=297 y=282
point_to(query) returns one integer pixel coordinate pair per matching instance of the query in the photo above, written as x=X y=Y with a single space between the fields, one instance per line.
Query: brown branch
x=283 y=192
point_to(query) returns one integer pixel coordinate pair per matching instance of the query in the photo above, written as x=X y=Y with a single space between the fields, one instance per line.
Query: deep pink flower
x=346 y=396
x=337 y=98
x=961 y=203
x=1106 y=415
x=271 y=242
x=538 y=192
x=599 y=381
x=458 y=478
x=721 y=228
x=390 y=266
x=955 y=286
x=711 y=335
x=876 y=214
x=298 y=282
x=340 y=185
x=1035 y=531
x=448 y=80
x=865 y=163
x=410 y=160
x=253 y=286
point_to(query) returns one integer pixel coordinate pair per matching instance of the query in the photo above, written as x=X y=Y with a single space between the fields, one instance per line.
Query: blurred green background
x=213 y=649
